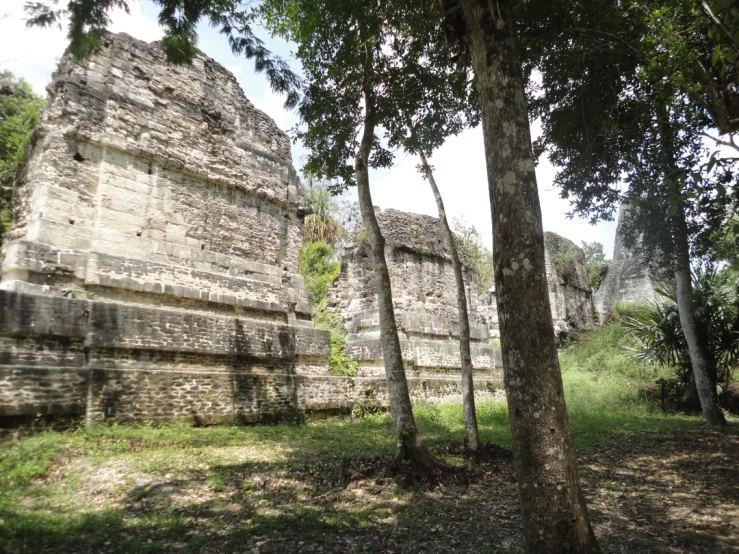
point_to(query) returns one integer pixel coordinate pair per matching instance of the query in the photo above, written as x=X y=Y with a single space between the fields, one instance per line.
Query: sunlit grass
x=42 y=476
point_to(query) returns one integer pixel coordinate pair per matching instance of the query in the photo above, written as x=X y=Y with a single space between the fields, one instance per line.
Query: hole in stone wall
x=202 y=246
x=71 y=221
x=107 y=44
x=149 y=171
x=138 y=233
x=78 y=157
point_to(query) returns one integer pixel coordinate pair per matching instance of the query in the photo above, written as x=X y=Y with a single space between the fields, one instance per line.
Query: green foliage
x=381 y=63
x=626 y=100
x=318 y=269
x=473 y=253
x=339 y=362
x=595 y=262
x=659 y=337
x=321 y=223
x=19 y=112
x=89 y=20
x=366 y=407
x=622 y=310
x=607 y=390
x=564 y=257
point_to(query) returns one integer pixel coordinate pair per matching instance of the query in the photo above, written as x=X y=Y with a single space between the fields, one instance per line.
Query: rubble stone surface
x=570 y=293
x=424 y=298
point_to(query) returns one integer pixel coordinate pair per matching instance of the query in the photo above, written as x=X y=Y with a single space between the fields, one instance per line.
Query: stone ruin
x=630 y=277
x=425 y=302
x=151 y=271
x=570 y=293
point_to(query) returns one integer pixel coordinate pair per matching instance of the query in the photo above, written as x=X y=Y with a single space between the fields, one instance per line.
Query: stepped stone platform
x=151 y=271
x=425 y=302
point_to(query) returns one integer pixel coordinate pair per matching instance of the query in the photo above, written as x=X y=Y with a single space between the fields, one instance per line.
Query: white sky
x=459 y=164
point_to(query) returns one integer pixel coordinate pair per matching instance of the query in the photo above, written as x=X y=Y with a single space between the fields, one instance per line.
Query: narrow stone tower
x=630 y=277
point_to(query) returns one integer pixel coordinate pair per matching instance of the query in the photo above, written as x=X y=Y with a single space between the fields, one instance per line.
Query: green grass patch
x=144 y=488
x=606 y=389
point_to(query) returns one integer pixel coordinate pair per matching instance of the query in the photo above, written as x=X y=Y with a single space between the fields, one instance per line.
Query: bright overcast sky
x=459 y=164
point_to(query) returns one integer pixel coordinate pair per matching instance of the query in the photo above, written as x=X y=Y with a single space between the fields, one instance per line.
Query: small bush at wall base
x=365 y=406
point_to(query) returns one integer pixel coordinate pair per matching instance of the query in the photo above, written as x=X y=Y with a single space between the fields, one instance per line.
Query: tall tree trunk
x=471 y=434
x=409 y=445
x=555 y=518
x=704 y=384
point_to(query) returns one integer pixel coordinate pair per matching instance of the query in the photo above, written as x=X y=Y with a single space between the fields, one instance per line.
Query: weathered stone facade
x=425 y=302
x=570 y=293
x=630 y=276
x=151 y=272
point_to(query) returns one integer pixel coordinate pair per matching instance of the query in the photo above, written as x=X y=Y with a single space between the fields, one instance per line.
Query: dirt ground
x=673 y=492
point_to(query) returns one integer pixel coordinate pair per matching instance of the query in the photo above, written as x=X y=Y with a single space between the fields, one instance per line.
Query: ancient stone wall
x=570 y=293
x=424 y=298
x=630 y=276
x=151 y=271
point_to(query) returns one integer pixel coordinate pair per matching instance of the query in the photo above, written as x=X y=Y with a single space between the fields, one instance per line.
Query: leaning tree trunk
x=555 y=517
x=471 y=434
x=409 y=445
x=704 y=384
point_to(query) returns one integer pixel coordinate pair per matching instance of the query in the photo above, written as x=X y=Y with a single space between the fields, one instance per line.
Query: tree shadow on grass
x=674 y=491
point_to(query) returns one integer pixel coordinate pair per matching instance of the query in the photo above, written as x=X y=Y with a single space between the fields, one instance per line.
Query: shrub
x=658 y=335
x=365 y=407
x=319 y=269
x=339 y=362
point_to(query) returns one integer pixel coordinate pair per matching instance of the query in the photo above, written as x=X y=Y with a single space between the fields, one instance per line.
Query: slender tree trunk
x=471 y=434
x=555 y=517
x=409 y=445
x=705 y=385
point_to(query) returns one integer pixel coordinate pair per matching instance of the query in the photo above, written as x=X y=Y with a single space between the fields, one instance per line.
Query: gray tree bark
x=705 y=386
x=471 y=434
x=409 y=445
x=555 y=518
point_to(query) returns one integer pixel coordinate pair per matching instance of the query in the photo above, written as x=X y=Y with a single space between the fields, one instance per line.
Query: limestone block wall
x=144 y=175
x=570 y=293
x=424 y=298
x=151 y=271
x=630 y=276
x=487 y=311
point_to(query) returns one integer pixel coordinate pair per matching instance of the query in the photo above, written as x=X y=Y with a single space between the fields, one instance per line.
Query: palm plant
x=658 y=336
x=320 y=223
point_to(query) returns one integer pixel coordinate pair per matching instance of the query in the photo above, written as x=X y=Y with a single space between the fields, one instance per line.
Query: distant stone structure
x=570 y=293
x=630 y=276
x=487 y=311
x=425 y=302
x=151 y=271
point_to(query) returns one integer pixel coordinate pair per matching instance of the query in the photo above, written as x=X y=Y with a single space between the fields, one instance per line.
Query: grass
x=140 y=488
x=608 y=392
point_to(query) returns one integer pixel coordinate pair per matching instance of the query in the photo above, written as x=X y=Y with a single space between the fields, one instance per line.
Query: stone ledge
x=110 y=325
x=95 y=268
x=140 y=395
x=423 y=352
